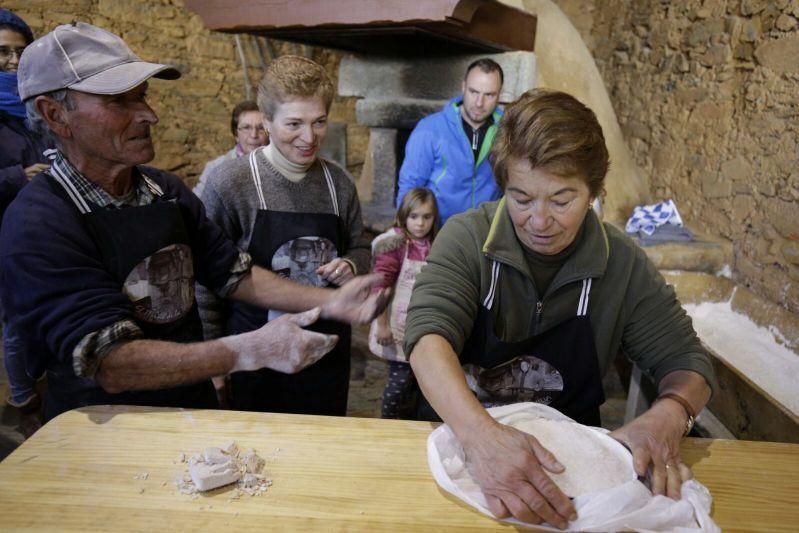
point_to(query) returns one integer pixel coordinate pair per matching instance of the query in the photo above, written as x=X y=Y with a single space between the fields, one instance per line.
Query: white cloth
x=646 y=218
x=627 y=507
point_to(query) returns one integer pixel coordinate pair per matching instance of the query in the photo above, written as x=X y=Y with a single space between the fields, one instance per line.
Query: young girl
x=399 y=255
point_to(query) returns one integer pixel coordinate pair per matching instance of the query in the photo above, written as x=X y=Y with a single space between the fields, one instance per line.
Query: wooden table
x=113 y=468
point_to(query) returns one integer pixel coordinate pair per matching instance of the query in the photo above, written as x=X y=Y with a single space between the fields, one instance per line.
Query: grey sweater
x=231 y=201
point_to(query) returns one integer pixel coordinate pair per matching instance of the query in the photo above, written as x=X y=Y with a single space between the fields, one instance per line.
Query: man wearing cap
x=99 y=254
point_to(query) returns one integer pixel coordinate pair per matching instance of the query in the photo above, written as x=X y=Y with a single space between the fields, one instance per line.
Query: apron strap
x=492 y=289
x=152 y=185
x=582 y=307
x=330 y=186
x=60 y=176
x=256 y=177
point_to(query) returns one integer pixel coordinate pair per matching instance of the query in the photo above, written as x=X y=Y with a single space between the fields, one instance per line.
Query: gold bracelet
x=689 y=410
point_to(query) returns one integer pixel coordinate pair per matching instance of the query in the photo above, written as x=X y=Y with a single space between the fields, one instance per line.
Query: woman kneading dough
x=531 y=297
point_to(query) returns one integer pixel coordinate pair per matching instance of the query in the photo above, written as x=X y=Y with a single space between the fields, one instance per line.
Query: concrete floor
x=366 y=392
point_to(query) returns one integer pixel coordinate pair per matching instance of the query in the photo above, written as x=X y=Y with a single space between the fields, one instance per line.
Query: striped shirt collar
x=84 y=191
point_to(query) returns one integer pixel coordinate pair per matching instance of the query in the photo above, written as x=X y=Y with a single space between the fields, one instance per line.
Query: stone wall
x=706 y=93
x=194 y=111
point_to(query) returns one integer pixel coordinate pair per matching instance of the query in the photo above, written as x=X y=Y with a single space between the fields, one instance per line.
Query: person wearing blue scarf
x=21 y=157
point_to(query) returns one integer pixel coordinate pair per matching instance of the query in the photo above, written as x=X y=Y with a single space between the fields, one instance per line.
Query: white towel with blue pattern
x=646 y=218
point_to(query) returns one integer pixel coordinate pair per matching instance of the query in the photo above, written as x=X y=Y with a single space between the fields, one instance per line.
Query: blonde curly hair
x=289 y=77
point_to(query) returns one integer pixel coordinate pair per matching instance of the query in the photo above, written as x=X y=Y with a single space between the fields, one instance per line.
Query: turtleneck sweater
x=290 y=170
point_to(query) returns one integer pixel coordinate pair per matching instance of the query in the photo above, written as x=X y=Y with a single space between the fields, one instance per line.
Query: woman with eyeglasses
x=298 y=215
x=248 y=130
x=21 y=158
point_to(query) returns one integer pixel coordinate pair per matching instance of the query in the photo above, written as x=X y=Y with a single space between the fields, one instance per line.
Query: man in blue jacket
x=447 y=152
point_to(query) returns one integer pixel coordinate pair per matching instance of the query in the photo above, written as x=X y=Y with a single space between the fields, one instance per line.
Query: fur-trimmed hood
x=391 y=240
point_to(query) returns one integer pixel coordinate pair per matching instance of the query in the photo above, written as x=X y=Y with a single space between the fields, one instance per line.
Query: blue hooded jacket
x=439 y=156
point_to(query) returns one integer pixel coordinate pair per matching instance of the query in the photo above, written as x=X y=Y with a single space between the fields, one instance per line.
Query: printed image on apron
x=161 y=287
x=523 y=379
x=299 y=258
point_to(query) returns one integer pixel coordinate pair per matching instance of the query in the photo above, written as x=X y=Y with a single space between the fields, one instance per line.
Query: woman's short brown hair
x=290 y=77
x=552 y=130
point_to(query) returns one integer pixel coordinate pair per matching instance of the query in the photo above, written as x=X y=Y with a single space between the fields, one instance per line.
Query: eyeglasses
x=249 y=129
x=7 y=51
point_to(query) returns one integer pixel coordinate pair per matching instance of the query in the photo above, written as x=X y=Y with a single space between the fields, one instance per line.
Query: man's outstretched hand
x=357 y=301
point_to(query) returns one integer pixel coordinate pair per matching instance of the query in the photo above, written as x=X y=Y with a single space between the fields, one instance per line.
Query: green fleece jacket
x=631 y=307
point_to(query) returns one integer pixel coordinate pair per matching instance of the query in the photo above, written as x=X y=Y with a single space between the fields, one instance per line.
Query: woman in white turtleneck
x=299 y=216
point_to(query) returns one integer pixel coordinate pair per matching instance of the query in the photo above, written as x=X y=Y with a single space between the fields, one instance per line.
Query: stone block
x=357 y=143
x=377 y=184
x=715 y=55
x=701 y=255
x=78 y=6
x=785 y=22
x=784 y=217
x=177 y=135
x=751 y=7
x=737 y=169
x=433 y=78
x=689 y=95
x=742 y=207
x=217 y=47
x=382 y=159
x=744 y=51
x=334 y=146
x=790 y=250
x=780 y=55
x=716 y=186
x=401 y=113
x=701 y=32
x=203 y=82
x=53 y=18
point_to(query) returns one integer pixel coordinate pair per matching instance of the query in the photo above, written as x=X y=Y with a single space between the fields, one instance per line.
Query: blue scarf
x=9 y=95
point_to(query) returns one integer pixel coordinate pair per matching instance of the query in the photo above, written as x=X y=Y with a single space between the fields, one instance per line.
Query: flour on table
x=220 y=466
x=593 y=461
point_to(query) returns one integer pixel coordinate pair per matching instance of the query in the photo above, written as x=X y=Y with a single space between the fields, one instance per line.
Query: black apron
x=294 y=245
x=558 y=367
x=147 y=251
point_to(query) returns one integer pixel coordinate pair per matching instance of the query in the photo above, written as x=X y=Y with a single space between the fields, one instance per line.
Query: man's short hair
x=551 y=130
x=242 y=107
x=36 y=122
x=290 y=77
x=486 y=65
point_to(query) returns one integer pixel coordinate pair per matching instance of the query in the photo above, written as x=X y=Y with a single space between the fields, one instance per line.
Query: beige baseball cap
x=85 y=58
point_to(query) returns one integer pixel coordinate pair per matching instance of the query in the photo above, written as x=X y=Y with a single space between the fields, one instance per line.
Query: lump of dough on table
x=593 y=461
x=207 y=476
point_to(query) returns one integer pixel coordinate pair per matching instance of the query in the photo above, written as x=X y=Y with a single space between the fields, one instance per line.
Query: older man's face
x=111 y=130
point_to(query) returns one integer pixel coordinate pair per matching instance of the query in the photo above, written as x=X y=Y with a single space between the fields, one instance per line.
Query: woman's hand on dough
x=338 y=272
x=654 y=439
x=510 y=468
